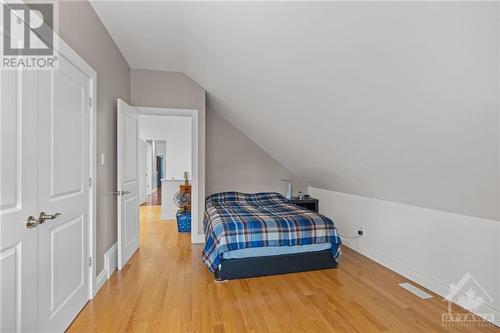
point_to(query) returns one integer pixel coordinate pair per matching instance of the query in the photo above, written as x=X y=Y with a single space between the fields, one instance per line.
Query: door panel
x=11 y=150
x=18 y=184
x=67 y=276
x=10 y=266
x=130 y=151
x=128 y=182
x=131 y=230
x=63 y=188
x=66 y=128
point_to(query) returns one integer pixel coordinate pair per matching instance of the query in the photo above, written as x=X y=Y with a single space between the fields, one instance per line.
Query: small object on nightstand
x=289 y=192
x=307 y=203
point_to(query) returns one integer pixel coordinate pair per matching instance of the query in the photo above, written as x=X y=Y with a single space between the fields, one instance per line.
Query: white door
x=63 y=187
x=18 y=182
x=128 y=181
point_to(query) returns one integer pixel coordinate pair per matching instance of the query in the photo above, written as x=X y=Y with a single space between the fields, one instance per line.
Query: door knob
x=43 y=216
x=31 y=222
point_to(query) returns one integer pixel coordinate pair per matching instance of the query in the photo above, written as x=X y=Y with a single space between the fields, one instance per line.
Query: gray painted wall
x=233 y=161
x=236 y=163
x=81 y=29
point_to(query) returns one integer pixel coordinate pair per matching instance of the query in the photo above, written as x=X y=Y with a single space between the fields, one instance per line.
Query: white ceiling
x=392 y=100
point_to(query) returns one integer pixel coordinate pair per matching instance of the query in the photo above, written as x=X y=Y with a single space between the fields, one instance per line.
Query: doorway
x=175 y=161
x=152 y=167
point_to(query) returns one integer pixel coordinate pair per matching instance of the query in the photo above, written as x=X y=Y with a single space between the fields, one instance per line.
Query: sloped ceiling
x=390 y=100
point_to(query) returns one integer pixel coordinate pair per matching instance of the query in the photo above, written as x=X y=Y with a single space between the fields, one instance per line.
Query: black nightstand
x=310 y=203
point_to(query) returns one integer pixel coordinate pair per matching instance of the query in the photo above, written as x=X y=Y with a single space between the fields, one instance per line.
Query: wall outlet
x=361 y=231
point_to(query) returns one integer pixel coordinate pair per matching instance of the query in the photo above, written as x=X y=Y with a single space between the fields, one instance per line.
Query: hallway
x=166 y=288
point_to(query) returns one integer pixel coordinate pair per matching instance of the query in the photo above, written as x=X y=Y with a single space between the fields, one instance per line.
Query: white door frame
x=196 y=189
x=149 y=164
x=73 y=57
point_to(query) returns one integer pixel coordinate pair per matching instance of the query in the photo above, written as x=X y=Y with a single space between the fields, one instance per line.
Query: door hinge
x=90 y=101
x=90 y=181
x=90 y=261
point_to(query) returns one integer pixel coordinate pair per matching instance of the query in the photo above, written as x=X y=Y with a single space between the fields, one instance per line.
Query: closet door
x=18 y=191
x=63 y=188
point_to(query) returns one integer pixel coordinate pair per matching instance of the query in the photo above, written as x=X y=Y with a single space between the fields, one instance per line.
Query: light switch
x=102 y=159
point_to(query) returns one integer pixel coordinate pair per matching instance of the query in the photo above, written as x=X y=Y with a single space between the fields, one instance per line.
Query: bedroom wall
x=81 y=29
x=433 y=248
x=236 y=163
x=233 y=161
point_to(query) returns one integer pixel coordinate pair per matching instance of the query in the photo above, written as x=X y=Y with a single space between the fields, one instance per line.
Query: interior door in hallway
x=128 y=181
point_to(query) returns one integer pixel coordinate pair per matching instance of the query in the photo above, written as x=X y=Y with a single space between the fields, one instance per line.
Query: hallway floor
x=154 y=199
x=166 y=288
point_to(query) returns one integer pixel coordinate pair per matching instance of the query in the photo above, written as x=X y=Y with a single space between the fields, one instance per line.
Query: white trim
x=111 y=260
x=100 y=280
x=197 y=238
x=110 y=266
x=196 y=180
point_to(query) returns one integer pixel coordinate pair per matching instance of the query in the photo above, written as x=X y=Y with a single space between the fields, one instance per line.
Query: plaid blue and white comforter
x=236 y=221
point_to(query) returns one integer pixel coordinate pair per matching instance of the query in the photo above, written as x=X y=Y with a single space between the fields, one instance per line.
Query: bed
x=249 y=235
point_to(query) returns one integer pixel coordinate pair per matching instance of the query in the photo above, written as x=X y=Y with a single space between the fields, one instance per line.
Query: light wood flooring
x=154 y=199
x=166 y=288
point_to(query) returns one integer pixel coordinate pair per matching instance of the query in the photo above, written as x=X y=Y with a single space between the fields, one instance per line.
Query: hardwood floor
x=154 y=199
x=166 y=288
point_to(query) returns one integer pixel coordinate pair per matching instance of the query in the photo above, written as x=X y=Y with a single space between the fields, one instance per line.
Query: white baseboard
x=100 y=280
x=197 y=238
x=110 y=265
x=420 y=278
x=111 y=260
